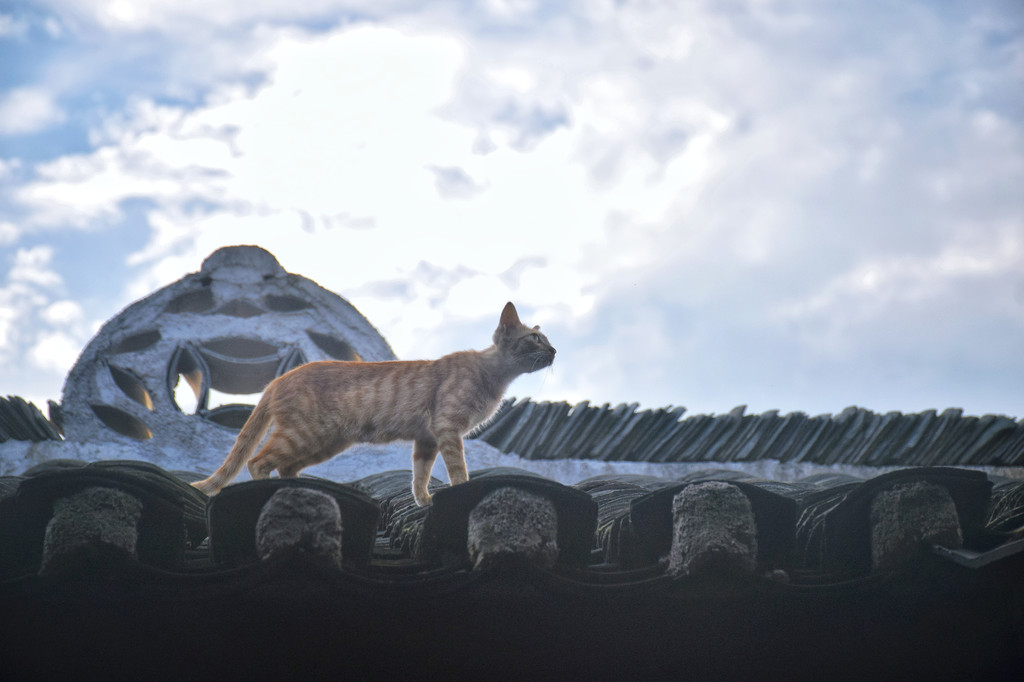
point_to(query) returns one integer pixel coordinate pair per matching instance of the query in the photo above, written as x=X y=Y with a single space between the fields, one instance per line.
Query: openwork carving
x=240 y=365
x=152 y=377
x=333 y=346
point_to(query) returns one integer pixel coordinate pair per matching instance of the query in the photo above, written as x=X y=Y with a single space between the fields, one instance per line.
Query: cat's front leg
x=424 y=452
x=454 y=457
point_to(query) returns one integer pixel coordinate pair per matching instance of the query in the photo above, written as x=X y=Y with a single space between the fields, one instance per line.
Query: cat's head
x=528 y=348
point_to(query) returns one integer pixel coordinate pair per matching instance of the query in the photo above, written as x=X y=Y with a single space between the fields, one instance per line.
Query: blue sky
x=794 y=206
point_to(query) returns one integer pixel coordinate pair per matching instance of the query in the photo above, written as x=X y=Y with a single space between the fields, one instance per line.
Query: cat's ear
x=508 y=325
x=509 y=317
x=536 y=327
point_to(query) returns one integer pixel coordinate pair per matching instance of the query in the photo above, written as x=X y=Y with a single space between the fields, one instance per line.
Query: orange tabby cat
x=321 y=408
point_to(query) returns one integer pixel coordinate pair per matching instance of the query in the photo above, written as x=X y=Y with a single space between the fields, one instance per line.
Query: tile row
x=819 y=529
x=545 y=430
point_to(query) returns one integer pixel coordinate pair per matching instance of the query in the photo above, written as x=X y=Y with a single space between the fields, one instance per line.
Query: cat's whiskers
x=551 y=370
x=540 y=358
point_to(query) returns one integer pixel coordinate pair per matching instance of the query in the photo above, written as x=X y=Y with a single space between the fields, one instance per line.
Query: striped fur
x=321 y=408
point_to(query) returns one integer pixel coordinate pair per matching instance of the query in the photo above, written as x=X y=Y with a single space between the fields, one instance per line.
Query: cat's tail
x=248 y=438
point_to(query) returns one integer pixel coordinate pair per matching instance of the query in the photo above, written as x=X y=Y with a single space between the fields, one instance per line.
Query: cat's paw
x=420 y=494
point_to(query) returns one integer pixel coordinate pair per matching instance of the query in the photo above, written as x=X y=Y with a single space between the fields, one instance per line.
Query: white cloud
x=8 y=167
x=41 y=330
x=63 y=312
x=345 y=132
x=28 y=110
x=511 y=8
x=55 y=351
x=888 y=290
x=179 y=15
x=757 y=175
x=32 y=266
x=11 y=26
x=9 y=233
x=26 y=290
x=53 y=27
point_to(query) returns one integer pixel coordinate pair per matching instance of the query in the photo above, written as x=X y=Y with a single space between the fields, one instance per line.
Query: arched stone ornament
x=141 y=387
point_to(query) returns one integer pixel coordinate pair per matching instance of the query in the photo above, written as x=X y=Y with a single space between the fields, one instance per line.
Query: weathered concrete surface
x=906 y=518
x=713 y=529
x=143 y=382
x=298 y=518
x=94 y=515
x=513 y=523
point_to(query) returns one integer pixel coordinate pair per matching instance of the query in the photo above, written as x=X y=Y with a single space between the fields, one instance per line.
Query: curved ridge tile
x=235 y=512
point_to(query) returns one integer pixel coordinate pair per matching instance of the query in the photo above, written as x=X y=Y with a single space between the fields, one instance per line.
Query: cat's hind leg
x=424 y=452
x=308 y=456
x=272 y=455
x=450 y=443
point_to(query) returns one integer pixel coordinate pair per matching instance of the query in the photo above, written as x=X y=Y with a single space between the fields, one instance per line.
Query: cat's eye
x=535 y=337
